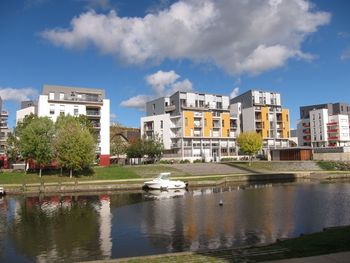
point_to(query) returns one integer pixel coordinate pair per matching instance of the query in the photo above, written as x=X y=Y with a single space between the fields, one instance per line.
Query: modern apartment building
x=324 y=125
x=4 y=129
x=262 y=111
x=192 y=125
x=57 y=100
x=27 y=108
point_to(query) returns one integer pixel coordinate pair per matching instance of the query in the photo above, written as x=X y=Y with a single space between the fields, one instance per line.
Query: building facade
x=192 y=125
x=262 y=111
x=4 y=128
x=57 y=100
x=324 y=125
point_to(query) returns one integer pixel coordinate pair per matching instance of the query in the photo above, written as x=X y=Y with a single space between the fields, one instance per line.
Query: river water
x=65 y=228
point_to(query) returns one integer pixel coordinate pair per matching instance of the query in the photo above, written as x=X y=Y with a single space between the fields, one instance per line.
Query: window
x=223 y=123
x=62 y=109
x=153 y=106
x=51 y=96
x=61 y=96
x=76 y=111
x=52 y=109
x=161 y=124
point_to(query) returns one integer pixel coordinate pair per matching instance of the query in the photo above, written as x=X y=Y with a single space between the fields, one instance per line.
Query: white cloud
x=240 y=36
x=162 y=83
x=345 y=54
x=161 y=80
x=138 y=102
x=234 y=92
x=18 y=94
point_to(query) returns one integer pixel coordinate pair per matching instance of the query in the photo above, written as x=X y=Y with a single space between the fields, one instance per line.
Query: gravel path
x=206 y=168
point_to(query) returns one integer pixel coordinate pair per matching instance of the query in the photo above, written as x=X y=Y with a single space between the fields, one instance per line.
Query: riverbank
x=331 y=240
x=115 y=178
x=76 y=185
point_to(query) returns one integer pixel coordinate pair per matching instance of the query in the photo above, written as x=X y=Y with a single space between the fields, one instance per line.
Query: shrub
x=185 y=161
x=199 y=161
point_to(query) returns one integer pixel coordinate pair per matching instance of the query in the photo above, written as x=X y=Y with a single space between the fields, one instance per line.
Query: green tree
x=12 y=147
x=153 y=148
x=35 y=141
x=74 y=145
x=250 y=143
x=118 y=144
x=135 y=149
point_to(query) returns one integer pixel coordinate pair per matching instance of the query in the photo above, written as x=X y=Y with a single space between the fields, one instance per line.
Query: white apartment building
x=192 y=125
x=324 y=126
x=262 y=111
x=57 y=100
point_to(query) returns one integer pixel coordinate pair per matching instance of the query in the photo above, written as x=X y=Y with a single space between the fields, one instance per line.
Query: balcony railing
x=307 y=125
x=333 y=138
x=92 y=113
x=332 y=123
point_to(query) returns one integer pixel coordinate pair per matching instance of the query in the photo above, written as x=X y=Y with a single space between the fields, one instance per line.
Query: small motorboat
x=2 y=191
x=162 y=182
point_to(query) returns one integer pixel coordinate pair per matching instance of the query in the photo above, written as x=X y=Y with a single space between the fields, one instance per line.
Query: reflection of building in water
x=105 y=226
x=254 y=215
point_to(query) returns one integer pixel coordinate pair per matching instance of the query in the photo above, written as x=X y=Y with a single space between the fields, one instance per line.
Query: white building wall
x=22 y=113
x=44 y=111
x=163 y=133
x=105 y=124
x=318 y=125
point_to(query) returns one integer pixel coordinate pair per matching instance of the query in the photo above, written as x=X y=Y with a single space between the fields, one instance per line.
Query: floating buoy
x=221 y=203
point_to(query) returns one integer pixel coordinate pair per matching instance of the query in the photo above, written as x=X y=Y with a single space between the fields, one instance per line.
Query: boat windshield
x=164 y=176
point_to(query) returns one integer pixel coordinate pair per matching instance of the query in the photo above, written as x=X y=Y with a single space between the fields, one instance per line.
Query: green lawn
x=112 y=172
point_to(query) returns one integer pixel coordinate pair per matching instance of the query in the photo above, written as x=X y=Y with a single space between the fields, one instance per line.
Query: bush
x=185 y=161
x=334 y=166
x=228 y=159
x=199 y=161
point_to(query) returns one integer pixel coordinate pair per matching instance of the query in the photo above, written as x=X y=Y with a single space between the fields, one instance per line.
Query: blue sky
x=138 y=50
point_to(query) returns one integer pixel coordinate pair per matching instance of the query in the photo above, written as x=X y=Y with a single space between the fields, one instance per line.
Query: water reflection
x=77 y=227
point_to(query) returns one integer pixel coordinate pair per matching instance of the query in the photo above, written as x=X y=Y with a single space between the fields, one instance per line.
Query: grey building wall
x=175 y=100
x=155 y=107
x=28 y=103
x=68 y=90
x=245 y=99
x=333 y=109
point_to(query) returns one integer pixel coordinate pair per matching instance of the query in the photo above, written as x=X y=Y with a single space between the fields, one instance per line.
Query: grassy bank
x=326 y=242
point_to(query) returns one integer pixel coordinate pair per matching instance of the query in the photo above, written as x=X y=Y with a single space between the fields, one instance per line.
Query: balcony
x=93 y=113
x=148 y=128
x=333 y=138
x=4 y=113
x=306 y=125
x=82 y=98
x=332 y=123
x=307 y=131
x=169 y=108
x=332 y=131
x=198 y=125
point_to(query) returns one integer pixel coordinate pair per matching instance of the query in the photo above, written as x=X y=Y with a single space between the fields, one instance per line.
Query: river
x=76 y=227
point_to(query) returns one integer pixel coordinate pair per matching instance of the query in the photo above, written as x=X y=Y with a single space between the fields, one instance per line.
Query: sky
x=141 y=50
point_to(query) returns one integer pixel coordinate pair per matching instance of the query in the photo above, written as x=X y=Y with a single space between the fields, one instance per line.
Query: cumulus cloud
x=239 y=36
x=18 y=94
x=345 y=54
x=162 y=83
x=234 y=92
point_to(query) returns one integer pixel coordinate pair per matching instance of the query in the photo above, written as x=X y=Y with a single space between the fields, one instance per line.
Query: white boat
x=168 y=194
x=163 y=182
x=2 y=191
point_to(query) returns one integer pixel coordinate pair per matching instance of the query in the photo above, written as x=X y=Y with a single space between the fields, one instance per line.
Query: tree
x=118 y=144
x=76 y=151
x=250 y=143
x=12 y=147
x=35 y=141
x=135 y=149
x=153 y=148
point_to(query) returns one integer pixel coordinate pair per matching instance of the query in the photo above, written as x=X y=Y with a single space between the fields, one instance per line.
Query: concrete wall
x=332 y=156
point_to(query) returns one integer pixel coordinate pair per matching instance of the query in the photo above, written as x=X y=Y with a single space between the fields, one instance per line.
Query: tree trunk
x=61 y=171
x=25 y=166
x=250 y=160
x=70 y=173
x=40 y=171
